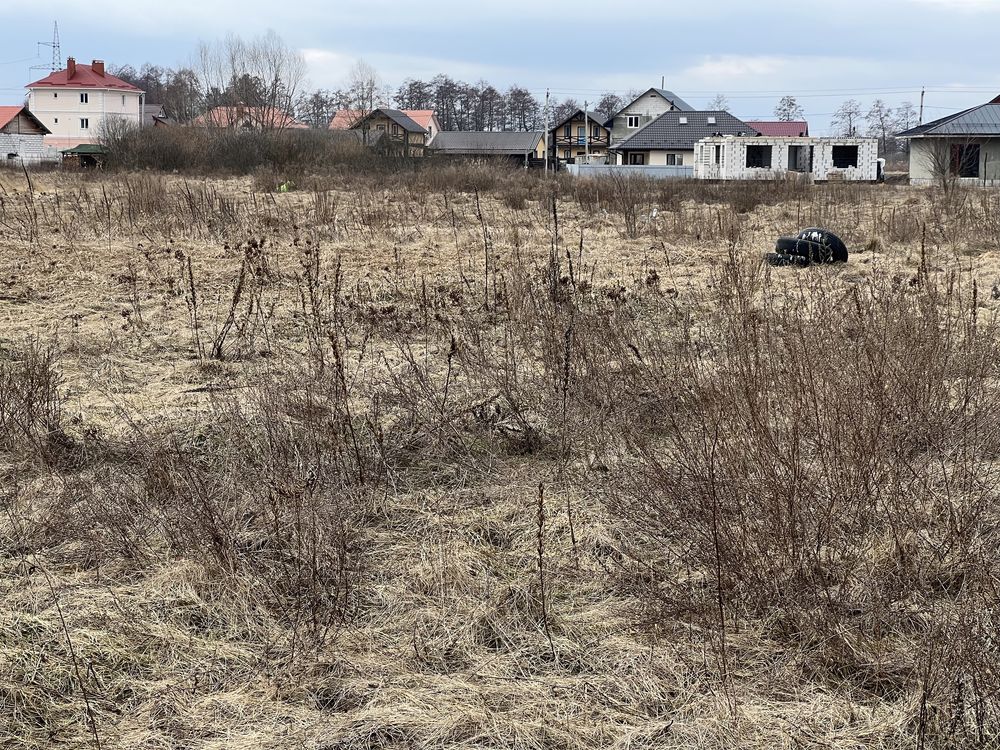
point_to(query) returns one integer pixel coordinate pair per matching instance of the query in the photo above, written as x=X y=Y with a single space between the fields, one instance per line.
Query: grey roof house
x=642 y=110
x=669 y=140
x=964 y=147
x=514 y=145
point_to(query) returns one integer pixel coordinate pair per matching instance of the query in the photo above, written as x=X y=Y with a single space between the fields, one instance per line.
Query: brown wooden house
x=394 y=130
x=579 y=134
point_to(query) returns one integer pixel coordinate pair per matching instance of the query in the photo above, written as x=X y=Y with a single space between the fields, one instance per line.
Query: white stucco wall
x=62 y=111
x=922 y=160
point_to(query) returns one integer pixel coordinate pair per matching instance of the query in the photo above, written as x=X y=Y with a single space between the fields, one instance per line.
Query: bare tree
x=258 y=78
x=904 y=118
x=789 y=109
x=881 y=125
x=609 y=104
x=846 y=119
x=363 y=87
x=719 y=104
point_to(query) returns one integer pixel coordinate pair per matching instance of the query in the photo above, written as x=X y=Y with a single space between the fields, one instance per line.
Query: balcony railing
x=578 y=140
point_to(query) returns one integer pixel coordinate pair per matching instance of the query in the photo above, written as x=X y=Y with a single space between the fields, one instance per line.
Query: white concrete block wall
x=734 y=158
x=27 y=148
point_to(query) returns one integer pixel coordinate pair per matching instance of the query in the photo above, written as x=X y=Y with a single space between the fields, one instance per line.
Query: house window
x=566 y=153
x=845 y=157
x=57 y=121
x=711 y=121
x=675 y=160
x=84 y=123
x=84 y=98
x=55 y=95
x=581 y=134
x=759 y=157
x=11 y=156
x=682 y=120
x=632 y=121
x=965 y=160
x=639 y=158
x=568 y=131
x=123 y=100
x=395 y=129
x=380 y=127
x=718 y=154
x=595 y=131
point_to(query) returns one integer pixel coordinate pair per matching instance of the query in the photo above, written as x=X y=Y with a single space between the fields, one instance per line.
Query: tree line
x=264 y=74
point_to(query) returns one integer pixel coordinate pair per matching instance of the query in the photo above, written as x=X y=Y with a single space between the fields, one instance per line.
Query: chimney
x=70 y=67
x=98 y=67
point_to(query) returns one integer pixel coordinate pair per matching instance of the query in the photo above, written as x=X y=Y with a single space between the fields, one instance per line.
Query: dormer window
x=682 y=120
x=711 y=121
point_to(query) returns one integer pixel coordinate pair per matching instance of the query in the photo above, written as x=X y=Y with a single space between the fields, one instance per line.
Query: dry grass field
x=461 y=458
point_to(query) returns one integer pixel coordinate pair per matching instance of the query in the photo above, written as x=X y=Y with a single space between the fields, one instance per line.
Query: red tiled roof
x=345 y=119
x=229 y=117
x=780 y=128
x=7 y=114
x=83 y=77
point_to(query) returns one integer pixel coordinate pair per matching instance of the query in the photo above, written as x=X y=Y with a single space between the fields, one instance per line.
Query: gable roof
x=780 y=128
x=84 y=77
x=594 y=117
x=667 y=133
x=981 y=120
x=344 y=119
x=510 y=142
x=8 y=114
x=404 y=121
x=671 y=97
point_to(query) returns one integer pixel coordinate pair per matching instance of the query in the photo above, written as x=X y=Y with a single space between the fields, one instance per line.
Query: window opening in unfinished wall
x=845 y=157
x=759 y=157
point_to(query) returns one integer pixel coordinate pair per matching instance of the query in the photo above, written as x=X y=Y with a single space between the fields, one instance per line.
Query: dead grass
x=273 y=465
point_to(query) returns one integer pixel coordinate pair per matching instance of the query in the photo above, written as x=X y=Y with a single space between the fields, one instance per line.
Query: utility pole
x=922 y=92
x=57 y=60
x=586 y=133
x=546 y=131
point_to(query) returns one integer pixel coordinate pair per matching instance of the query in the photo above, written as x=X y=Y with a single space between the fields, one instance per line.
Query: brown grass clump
x=471 y=458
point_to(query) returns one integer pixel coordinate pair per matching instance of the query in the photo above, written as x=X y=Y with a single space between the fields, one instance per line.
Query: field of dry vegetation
x=462 y=458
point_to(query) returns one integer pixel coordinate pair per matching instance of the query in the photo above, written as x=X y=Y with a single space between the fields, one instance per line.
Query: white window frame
x=632 y=121
x=84 y=123
x=84 y=97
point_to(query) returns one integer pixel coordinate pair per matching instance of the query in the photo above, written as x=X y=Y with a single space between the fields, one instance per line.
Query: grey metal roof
x=676 y=100
x=595 y=117
x=510 y=142
x=667 y=133
x=981 y=120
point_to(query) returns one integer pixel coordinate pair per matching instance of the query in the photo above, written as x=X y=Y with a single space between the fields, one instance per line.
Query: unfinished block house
x=22 y=136
x=762 y=158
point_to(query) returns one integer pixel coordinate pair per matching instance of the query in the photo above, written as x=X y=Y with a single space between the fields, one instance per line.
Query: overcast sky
x=820 y=52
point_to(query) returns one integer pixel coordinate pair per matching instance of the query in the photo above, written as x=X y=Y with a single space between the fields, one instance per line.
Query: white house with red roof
x=73 y=103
